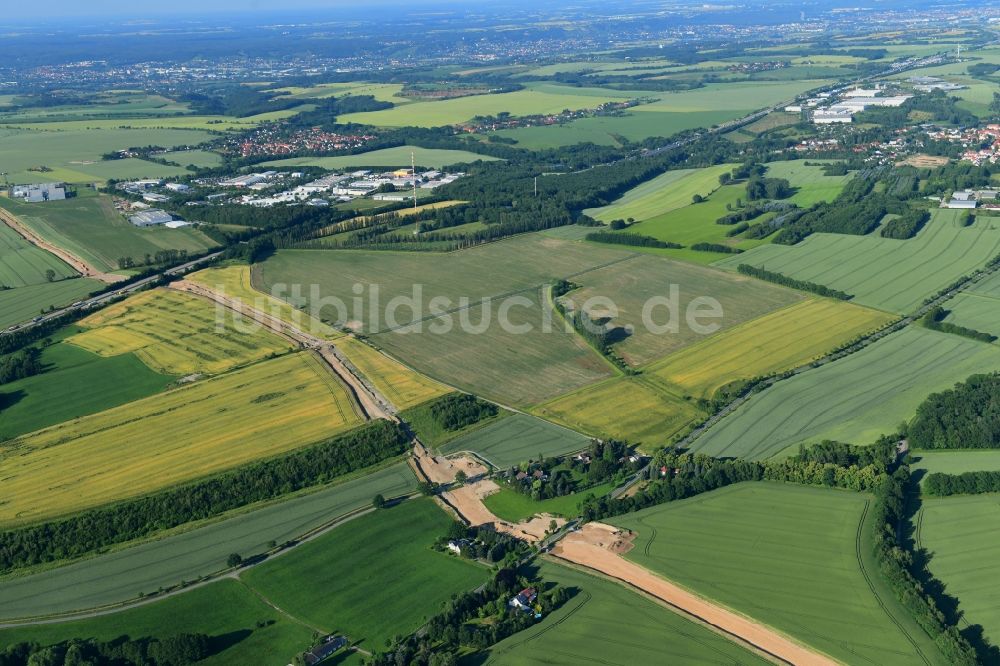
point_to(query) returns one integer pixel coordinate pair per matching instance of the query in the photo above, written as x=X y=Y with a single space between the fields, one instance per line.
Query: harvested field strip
x=402 y=386
x=120 y=575
x=775 y=342
x=962 y=535
x=262 y=410
x=236 y=282
x=791 y=557
x=176 y=333
x=855 y=399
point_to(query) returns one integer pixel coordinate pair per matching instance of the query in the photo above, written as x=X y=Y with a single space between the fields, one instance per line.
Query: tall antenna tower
x=413 y=178
x=959 y=55
x=536 y=186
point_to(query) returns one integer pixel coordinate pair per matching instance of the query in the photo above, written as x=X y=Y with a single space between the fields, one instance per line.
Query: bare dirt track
x=373 y=406
x=78 y=264
x=438 y=469
x=596 y=546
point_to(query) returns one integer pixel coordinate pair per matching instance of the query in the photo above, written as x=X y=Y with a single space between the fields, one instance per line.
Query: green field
x=795 y=558
x=962 y=535
x=537 y=99
x=387 y=157
x=955 y=462
x=854 y=399
x=246 y=630
x=695 y=223
x=71 y=153
x=514 y=506
x=632 y=285
x=123 y=574
x=892 y=275
x=75 y=383
x=184 y=434
x=609 y=624
x=371 y=579
x=977 y=308
x=518 y=438
x=128 y=169
x=19 y=305
x=812 y=184
x=667 y=192
x=22 y=264
x=90 y=228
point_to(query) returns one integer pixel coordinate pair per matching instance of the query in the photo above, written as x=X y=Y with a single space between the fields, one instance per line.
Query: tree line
x=941 y=484
x=97 y=528
x=458 y=410
x=632 y=239
x=965 y=417
x=906 y=225
x=123 y=651
x=20 y=365
x=934 y=320
x=784 y=280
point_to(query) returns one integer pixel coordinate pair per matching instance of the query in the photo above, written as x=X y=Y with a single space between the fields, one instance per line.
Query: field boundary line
x=278 y=608
x=700 y=621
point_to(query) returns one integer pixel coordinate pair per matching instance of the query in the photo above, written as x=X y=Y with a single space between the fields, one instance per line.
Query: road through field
x=591 y=547
x=373 y=404
x=76 y=262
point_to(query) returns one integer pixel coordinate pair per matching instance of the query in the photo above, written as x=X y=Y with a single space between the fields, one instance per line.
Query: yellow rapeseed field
x=775 y=342
x=265 y=409
x=235 y=282
x=402 y=386
x=175 y=334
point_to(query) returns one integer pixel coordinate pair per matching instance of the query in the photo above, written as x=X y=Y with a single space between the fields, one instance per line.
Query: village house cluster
x=275 y=140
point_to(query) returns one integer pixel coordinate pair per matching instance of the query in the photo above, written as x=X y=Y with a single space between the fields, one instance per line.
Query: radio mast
x=413 y=178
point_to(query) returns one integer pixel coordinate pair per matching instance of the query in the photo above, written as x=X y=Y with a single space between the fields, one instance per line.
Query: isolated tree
x=379 y=501
x=461 y=477
x=50 y=275
x=425 y=488
x=234 y=560
x=697 y=199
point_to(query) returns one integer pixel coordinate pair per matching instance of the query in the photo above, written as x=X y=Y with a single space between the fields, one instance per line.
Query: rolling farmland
x=496 y=361
x=90 y=228
x=517 y=438
x=402 y=386
x=246 y=629
x=187 y=433
x=54 y=396
x=793 y=557
x=23 y=264
x=21 y=304
x=123 y=573
x=962 y=535
x=892 y=275
x=373 y=578
x=538 y=99
x=667 y=192
x=855 y=399
x=631 y=285
x=175 y=334
x=608 y=623
x=236 y=282
x=70 y=153
x=387 y=157
x=629 y=408
x=773 y=343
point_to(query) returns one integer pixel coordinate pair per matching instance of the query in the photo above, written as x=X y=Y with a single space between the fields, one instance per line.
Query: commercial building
x=39 y=192
x=151 y=218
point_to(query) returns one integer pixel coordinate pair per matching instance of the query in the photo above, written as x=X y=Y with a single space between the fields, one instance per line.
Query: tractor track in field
x=871 y=586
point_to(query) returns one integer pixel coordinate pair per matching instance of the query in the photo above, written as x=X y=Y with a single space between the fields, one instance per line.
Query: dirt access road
x=78 y=264
x=373 y=405
x=597 y=546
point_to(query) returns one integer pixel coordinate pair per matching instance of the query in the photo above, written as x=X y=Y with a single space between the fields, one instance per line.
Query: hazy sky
x=26 y=11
